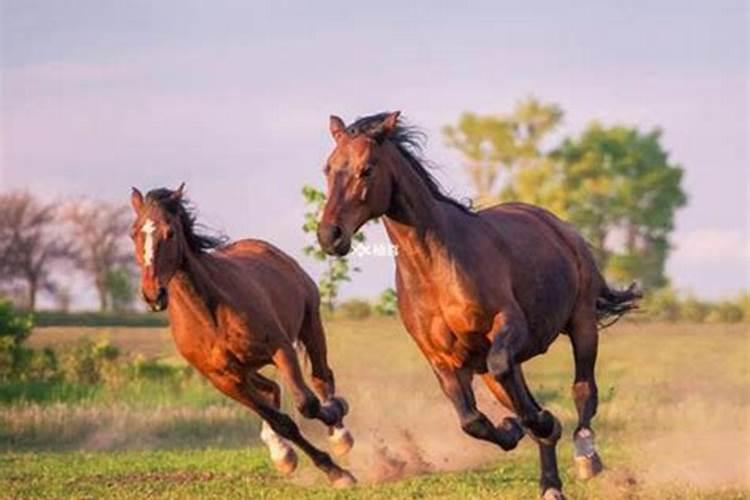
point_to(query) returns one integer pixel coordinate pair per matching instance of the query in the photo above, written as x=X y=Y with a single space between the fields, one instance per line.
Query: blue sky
x=234 y=98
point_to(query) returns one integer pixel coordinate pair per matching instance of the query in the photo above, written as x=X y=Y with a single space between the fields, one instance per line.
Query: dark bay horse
x=480 y=292
x=233 y=309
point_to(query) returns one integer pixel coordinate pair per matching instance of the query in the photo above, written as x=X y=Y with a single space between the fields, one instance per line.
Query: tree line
x=616 y=184
x=42 y=243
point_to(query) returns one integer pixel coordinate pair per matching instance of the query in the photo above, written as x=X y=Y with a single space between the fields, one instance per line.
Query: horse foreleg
x=542 y=426
x=330 y=412
x=456 y=385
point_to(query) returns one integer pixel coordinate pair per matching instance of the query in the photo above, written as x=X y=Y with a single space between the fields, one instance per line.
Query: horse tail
x=612 y=304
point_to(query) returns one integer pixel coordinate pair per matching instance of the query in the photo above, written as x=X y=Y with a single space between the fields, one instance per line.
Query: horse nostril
x=336 y=233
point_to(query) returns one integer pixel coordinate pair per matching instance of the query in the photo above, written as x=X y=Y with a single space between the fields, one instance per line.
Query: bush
x=725 y=312
x=355 y=309
x=90 y=363
x=387 y=304
x=42 y=365
x=13 y=324
x=744 y=302
x=662 y=305
x=694 y=310
x=14 y=329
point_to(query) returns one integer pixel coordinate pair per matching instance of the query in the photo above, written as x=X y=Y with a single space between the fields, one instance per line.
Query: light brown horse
x=480 y=292
x=234 y=309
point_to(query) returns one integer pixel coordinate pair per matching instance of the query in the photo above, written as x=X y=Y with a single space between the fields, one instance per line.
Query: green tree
x=615 y=184
x=15 y=327
x=618 y=181
x=499 y=145
x=387 y=304
x=119 y=285
x=338 y=269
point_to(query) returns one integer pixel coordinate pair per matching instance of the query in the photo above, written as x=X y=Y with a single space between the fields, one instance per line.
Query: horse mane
x=409 y=141
x=197 y=240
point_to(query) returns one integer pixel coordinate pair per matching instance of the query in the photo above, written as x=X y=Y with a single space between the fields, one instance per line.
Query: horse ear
x=390 y=122
x=177 y=194
x=337 y=128
x=136 y=200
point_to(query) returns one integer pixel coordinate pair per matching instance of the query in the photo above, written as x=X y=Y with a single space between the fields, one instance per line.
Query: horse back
x=275 y=280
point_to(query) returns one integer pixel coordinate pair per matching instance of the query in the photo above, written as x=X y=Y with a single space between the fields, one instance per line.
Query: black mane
x=197 y=241
x=409 y=141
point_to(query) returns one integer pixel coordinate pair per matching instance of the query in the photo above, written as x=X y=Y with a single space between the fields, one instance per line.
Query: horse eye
x=170 y=233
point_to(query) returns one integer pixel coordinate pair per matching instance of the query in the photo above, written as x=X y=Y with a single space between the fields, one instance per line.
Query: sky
x=233 y=98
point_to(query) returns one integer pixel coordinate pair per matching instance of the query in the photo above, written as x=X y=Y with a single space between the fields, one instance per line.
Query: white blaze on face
x=148 y=229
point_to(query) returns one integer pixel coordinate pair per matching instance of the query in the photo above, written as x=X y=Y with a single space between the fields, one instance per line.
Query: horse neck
x=192 y=289
x=416 y=221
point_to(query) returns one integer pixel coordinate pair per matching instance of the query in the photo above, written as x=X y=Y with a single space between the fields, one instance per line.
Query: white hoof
x=287 y=463
x=587 y=461
x=588 y=466
x=344 y=480
x=283 y=456
x=341 y=441
x=552 y=494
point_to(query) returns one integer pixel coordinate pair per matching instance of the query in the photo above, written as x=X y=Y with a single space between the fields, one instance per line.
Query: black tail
x=613 y=304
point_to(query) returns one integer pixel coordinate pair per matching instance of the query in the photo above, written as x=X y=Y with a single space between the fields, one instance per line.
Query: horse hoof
x=341 y=441
x=588 y=466
x=344 y=479
x=287 y=463
x=513 y=427
x=343 y=405
x=552 y=494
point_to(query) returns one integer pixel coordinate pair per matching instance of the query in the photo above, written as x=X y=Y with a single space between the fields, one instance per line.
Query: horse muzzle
x=159 y=302
x=333 y=239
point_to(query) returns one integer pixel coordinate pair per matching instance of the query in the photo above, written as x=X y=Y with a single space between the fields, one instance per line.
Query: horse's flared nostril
x=330 y=236
x=336 y=234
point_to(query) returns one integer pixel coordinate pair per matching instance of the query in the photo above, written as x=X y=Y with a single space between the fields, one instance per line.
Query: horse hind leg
x=584 y=337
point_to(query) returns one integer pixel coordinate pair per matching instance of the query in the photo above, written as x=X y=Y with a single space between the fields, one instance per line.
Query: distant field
x=673 y=423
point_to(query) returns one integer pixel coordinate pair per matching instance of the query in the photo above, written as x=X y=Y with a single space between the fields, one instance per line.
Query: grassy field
x=673 y=423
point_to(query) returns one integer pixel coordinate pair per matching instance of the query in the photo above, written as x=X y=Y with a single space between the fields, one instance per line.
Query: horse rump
x=613 y=304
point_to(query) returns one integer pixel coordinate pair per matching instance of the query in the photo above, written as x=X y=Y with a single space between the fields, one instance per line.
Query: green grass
x=672 y=423
x=218 y=473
